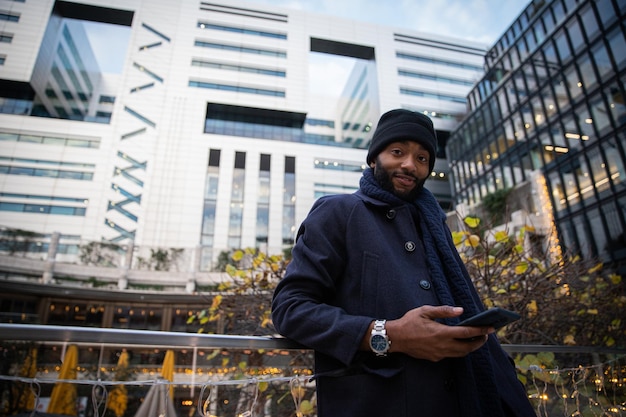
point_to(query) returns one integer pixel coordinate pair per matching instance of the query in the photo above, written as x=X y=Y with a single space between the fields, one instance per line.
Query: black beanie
x=398 y=125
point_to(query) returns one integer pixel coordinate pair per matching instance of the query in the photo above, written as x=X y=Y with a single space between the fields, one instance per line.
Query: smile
x=405 y=180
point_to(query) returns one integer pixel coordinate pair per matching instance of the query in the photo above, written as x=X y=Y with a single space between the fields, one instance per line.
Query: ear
x=372 y=164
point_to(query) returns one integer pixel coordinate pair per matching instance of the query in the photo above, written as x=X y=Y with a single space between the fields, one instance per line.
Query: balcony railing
x=225 y=375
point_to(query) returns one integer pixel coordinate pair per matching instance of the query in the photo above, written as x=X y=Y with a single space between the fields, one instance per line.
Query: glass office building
x=550 y=111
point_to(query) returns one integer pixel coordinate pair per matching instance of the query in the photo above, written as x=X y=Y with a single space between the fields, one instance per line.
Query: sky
x=475 y=20
x=482 y=21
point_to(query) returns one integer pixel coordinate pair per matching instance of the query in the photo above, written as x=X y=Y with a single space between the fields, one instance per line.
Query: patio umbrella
x=63 y=397
x=118 y=397
x=157 y=403
x=167 y=370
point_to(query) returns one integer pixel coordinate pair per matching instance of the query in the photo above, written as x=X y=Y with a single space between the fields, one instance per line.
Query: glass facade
x=289 y=202
x=210 y=203
x=552 y=102
x=237 y=191
x=263 y=202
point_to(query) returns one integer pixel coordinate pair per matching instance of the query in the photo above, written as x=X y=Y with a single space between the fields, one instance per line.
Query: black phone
x=494 y=317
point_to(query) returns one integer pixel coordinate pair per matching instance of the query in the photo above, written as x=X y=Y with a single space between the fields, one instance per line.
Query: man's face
x=401 y=168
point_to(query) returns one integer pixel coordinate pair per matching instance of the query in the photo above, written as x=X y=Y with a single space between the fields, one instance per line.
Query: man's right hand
x=417 y=334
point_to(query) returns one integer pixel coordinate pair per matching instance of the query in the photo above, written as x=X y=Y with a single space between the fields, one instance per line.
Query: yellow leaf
x=491 y=260
x=595 y=268
x=532 y=308
x=593 y=311
x=521 y=267
x=518 y=248
x=458 y=237
x=569 y=340
x=610 y=341
x=473 y=241
x=501 y=236
x=263 y=385
x=615 y=279
x=237 y=256
x=472 y=222
x=306 y=407
x=217 y=300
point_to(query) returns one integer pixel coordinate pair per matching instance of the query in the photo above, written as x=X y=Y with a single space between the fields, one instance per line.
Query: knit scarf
x=453 y=286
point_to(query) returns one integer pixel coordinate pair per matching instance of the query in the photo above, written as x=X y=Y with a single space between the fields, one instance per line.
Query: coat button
x=409 y=246
x=391 y=214
x=425 y=284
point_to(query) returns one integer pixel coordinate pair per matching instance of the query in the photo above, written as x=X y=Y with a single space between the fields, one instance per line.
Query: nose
x=408 y=163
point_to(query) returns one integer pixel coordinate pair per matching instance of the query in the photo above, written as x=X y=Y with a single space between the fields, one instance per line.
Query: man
x=375 y=286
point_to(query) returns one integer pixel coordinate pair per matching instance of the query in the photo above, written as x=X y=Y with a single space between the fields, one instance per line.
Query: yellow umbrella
x=167 y=371
x=22 y=394
x=118 y=397
x=63 y=397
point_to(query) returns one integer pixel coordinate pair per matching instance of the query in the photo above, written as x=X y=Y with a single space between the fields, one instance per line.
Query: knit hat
x=400 y=124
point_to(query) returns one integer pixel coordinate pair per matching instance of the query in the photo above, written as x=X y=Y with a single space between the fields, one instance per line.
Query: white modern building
x=213 y=136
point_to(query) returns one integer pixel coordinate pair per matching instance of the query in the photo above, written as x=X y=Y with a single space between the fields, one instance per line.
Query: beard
x=383 y=177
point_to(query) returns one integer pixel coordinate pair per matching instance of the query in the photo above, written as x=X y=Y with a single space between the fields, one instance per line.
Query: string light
x=589 y=386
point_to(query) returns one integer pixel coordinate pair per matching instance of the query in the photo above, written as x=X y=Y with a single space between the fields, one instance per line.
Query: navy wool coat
x=356 y=259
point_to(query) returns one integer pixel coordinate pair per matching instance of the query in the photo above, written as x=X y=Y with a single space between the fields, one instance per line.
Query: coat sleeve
x=304 y=307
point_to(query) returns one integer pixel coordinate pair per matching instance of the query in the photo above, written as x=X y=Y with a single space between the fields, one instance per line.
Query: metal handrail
x=98 y=335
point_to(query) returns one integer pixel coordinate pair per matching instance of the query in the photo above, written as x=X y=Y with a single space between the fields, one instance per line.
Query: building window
x=236 y=201
x=19 y=311
x=245 y=31
x=237 y=88
x=208 y=212
x=241 y=49
x=263 y=202
x=42 y=209
x=238 y=68
x=9 y=17
x=436 y=78
x=337 y=165
x=430 y=60
x=137 y=317
x=6 y=37
x=106 y=99
x=64 y=313
x=436 y=96
x=289 y=201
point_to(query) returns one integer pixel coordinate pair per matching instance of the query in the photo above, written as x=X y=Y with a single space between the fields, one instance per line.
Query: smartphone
x=494 y=317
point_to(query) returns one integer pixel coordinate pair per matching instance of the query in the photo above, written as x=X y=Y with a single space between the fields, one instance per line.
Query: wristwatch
x=379 y=342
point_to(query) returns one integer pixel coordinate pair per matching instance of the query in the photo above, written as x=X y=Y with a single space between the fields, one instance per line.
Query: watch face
x=379 y=343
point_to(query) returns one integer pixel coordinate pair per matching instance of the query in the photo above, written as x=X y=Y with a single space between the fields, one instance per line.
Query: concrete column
x=53 y=247
x=196 y=258
x=122 y=282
